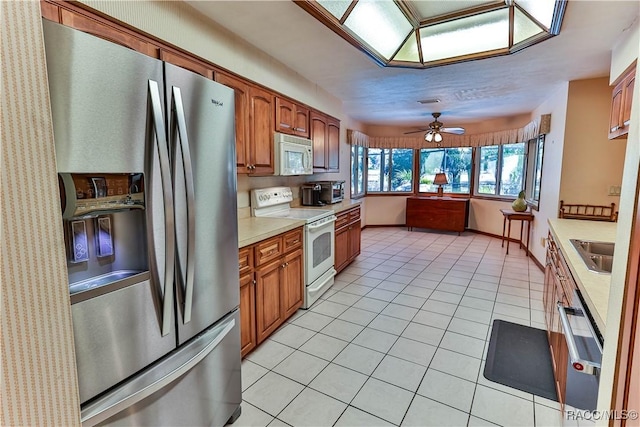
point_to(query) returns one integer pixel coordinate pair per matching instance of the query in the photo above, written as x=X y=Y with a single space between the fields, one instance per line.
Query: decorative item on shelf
x=440 y=180
x=519 y=204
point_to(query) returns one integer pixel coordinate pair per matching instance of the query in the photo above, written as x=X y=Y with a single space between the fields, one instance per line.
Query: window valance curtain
x=531 y=130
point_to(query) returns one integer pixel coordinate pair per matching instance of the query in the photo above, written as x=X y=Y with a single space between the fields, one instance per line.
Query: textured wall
x=38 y=379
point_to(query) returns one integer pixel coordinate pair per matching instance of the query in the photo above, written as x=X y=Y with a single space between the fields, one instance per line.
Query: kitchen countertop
x=254 y=229
x=338 y=207
x=594 y=287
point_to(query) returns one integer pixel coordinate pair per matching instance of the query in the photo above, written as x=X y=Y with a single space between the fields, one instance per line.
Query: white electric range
x=319 y=236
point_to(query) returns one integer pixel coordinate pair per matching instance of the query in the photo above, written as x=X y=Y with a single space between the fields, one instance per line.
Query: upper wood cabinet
x=261 y=105
x=291 y=118
x=105 y=31
x=621 y=99
x=325 y=134
x=241 y=90
x=254 y=124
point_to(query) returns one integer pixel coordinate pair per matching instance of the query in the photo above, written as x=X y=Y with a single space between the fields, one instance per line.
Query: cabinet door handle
x=284 y=125
x=626 y=123
x=615 y=128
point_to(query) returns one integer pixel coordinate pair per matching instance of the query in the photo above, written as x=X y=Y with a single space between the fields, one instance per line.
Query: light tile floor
x=401 y=339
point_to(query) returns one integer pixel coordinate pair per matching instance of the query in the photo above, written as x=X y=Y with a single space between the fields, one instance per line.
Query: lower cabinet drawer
x=268 y=250
x=292 y=240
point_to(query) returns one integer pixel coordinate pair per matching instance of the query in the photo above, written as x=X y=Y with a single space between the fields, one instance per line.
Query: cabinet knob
x=283 y=265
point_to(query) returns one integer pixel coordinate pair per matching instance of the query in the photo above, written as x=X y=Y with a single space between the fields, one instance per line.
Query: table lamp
x=440 y=180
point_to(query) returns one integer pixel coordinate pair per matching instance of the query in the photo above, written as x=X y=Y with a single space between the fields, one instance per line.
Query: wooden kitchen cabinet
x=269 y=294
x=325 y=134
x=247 y=313
x=254 y=126
x=621 y=99
x=347 y=238
x=292 y=118
x=106 y=31
x=558 y=288
x=241 y=90
x=271 y=286
x=439 y=213
x=292 y=283
x=261 y=105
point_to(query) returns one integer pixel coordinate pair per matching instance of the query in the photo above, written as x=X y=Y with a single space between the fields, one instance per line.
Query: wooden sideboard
x=439 y=213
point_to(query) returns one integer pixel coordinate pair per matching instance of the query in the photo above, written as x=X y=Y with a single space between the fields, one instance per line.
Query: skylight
x=426 y=33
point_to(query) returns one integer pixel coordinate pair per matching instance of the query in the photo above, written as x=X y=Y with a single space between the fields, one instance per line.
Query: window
x=389 y=170
x=501 y=170
x=455 y=162
x=535 y=151
x=357 y=171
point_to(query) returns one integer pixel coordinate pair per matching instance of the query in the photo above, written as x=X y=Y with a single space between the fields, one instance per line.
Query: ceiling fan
x=435 y=129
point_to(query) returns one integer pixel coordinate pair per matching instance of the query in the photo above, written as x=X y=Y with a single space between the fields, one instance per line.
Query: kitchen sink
x=599 y=248
x=597 y=256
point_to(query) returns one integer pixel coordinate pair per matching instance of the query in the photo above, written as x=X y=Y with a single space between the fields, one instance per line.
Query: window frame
x=529 y=168
x=498 y=173
x=535 y=165
x=448 y=193
x=387 y=155
x=362 y=190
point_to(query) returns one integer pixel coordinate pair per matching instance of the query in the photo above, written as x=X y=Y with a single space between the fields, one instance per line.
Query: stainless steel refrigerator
x=146 y=162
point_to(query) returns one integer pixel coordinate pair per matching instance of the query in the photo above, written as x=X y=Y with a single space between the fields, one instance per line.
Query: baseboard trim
x=383 y=225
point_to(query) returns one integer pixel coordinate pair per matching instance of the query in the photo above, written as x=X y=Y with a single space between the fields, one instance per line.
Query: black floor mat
x=519 y=357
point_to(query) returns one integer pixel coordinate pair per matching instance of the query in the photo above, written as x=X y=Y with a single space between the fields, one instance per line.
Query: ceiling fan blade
x=415 y=131
x=457 y=131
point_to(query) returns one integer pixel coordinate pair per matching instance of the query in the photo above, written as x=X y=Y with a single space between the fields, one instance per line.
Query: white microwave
x=293 y=155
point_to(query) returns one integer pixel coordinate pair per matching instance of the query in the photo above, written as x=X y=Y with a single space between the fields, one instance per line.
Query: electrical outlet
x=614 y=190
x=543 y=241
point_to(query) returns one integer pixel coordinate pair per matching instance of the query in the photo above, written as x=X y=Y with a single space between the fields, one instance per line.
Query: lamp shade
x=440 y=179
x=437 y=137
x=428 y=136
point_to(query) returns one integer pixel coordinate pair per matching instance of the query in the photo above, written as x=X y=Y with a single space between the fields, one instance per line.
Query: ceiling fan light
x=428 y=136
x=438 y=137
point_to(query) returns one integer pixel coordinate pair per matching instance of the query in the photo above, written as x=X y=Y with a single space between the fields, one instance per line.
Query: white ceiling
x=469 y=92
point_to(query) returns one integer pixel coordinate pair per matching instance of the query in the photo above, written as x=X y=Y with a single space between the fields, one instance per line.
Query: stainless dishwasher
x=584 y=344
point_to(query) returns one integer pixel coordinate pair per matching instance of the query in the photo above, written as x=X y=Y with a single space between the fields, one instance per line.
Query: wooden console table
x=511 y=215
x=439 y=213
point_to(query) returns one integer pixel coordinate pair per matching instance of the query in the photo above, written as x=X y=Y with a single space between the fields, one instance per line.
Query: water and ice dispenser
x=104 y=223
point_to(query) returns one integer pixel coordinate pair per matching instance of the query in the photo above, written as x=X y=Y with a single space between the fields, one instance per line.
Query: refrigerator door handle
x=167 y=196
x=147 y=383
x=180 y=121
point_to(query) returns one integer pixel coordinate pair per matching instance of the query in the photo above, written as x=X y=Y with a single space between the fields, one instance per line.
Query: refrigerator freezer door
x=116 y=335
x=209 y=115
x=198 y=385
x=98 y=101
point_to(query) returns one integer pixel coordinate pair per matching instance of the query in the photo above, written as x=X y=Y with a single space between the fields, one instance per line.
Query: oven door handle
x=331 y=220
x=579 y=364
